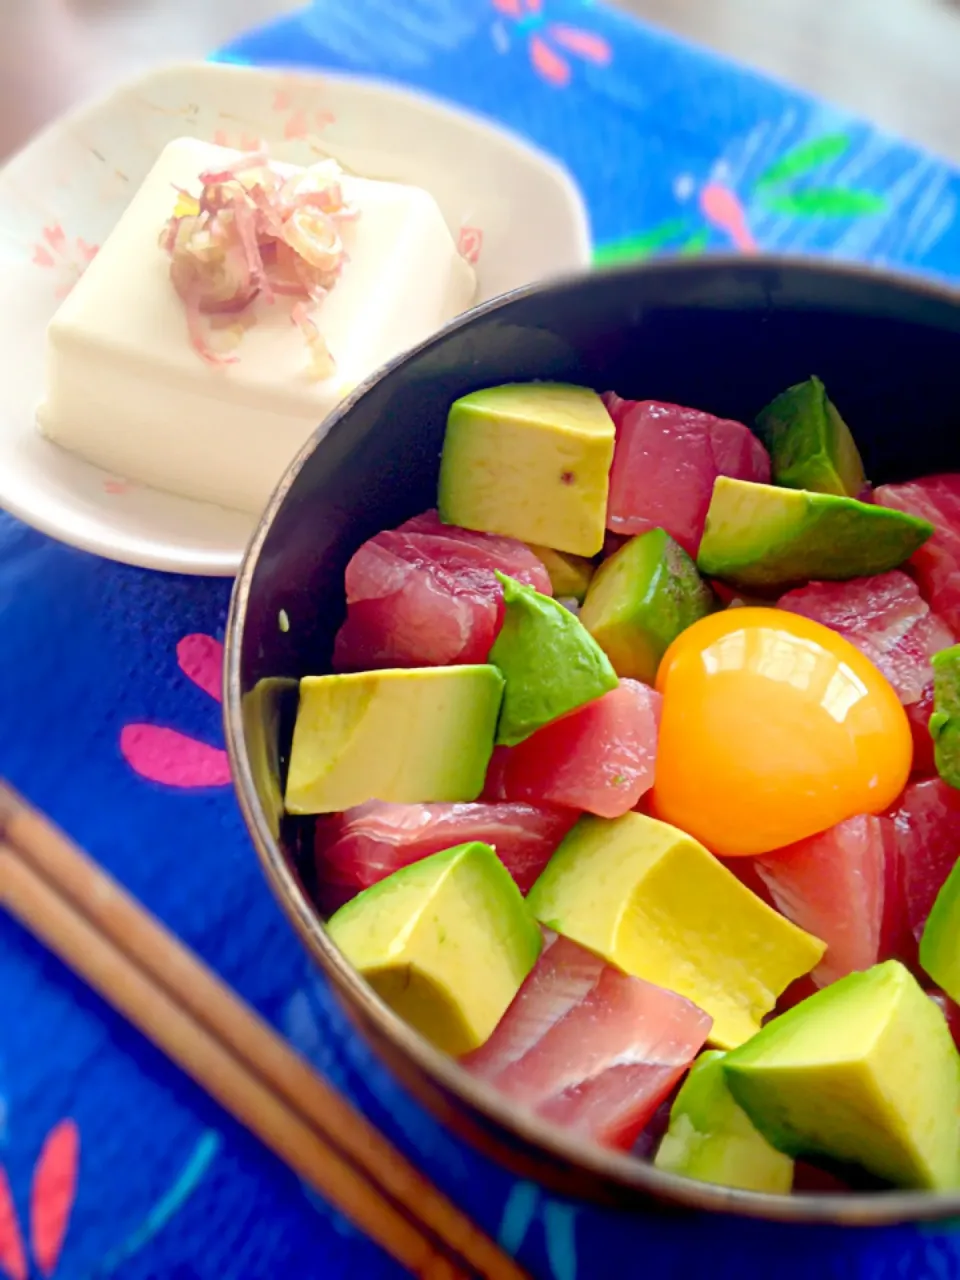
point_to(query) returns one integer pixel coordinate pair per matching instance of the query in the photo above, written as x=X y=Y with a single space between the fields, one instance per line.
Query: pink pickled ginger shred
x=257 y=232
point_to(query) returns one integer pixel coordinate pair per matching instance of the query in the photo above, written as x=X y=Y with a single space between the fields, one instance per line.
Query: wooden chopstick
x=68 y=902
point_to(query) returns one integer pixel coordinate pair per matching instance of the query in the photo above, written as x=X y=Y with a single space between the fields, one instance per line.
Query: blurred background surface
x=896 y=62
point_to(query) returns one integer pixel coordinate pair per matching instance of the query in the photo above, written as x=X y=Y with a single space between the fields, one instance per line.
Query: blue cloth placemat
x=111 y=1163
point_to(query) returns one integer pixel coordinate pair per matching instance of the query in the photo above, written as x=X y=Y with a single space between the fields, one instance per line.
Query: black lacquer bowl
x=722 y=334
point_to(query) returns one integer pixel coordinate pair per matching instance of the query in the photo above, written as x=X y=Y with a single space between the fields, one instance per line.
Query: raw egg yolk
x=773 y=728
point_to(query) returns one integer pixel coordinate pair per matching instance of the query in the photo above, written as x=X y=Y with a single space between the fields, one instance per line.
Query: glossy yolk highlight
x=773 y=728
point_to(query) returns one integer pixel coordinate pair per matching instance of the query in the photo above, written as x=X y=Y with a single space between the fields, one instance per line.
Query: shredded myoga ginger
x=250 y=232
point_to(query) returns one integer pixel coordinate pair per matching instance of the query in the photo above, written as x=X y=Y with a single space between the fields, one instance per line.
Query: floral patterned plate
x=514 y=212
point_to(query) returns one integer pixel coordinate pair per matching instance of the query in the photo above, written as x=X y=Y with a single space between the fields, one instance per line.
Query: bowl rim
x=627 y=1174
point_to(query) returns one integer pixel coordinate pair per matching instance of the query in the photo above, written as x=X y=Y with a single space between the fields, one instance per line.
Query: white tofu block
x=128 y=392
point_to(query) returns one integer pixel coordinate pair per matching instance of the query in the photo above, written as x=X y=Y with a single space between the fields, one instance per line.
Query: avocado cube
x=711 y=1139
x=810 y=445
x=759 y=535
x=445 y=942
x=639 y=601
x=945 y=721
x=406 y=736
x=940 y=943
x=864 y=1072
x=569 y=575
x=550 y=662
x=529 y=460
x=654 y=902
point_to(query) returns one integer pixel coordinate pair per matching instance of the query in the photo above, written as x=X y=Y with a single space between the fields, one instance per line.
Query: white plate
x=509 y=206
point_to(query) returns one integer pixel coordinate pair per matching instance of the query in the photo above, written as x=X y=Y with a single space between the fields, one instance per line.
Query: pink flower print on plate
x=470 y=244
x=238 y=142
x=168 y=756
x=52 y=1195
x=303 y=116
x=548 y=43
x=69 y=259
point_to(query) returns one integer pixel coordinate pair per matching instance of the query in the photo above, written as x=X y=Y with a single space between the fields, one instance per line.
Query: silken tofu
x=127 y=390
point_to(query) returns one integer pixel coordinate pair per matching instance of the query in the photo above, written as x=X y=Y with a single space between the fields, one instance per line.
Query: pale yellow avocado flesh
x=406 y=736
x=655 y=903
x=711 y=1139
x=863 y=1072
x=446 y=942
x=569 y=575
x=530 y=461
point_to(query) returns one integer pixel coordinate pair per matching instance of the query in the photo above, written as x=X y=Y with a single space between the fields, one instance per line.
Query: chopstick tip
x=11 y=804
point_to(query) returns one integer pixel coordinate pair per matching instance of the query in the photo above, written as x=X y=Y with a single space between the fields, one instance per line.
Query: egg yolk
x=773 y=728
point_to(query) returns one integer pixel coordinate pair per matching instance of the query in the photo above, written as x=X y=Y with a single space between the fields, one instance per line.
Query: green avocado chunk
x=810 y=445
x=407 y=736
x=711 y=1139
x=864 y=1072
x=529 y=460
x=550 y=662
x=945 y=721
x=640 y=599
x=446 y=942
x=759 y=535
x=940 y=943
x=569 y=575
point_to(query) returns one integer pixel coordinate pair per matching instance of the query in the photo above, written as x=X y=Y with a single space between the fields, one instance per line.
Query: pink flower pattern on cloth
x=51 y=1203
x=548 y=42
x=168 y=756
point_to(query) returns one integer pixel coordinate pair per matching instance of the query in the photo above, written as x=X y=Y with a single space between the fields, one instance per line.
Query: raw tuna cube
x=358 y=848
x=745 y=869
x=425 y=595
x=832 y=885
x=613 y=542
x=896 y=937
x=666 y=460
x=590 y=1048
x=519 y=561
x=808 y=1179
x=599 y=758
x=950 y=1011
x=937 y=563
x=919 y=713
x=888 y=621
x=650 y=1137
x=798 y=991
x=927 y=826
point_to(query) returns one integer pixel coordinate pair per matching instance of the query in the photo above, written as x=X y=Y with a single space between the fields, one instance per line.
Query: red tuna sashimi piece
x=362 y=846
x=425 y=595
x=927 y=824
x=832 y=885
x=799 y=990
x=919 y=713
x=937 y=563
x=666 y=460
x=896 y=937
x=808 y=1179
x=590 y=1048
x=612 y=542
x=950 y=1011
x=599 y=758
x=887 y=619
x=651 y=1135
x=745 y=869
x=507 y=554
